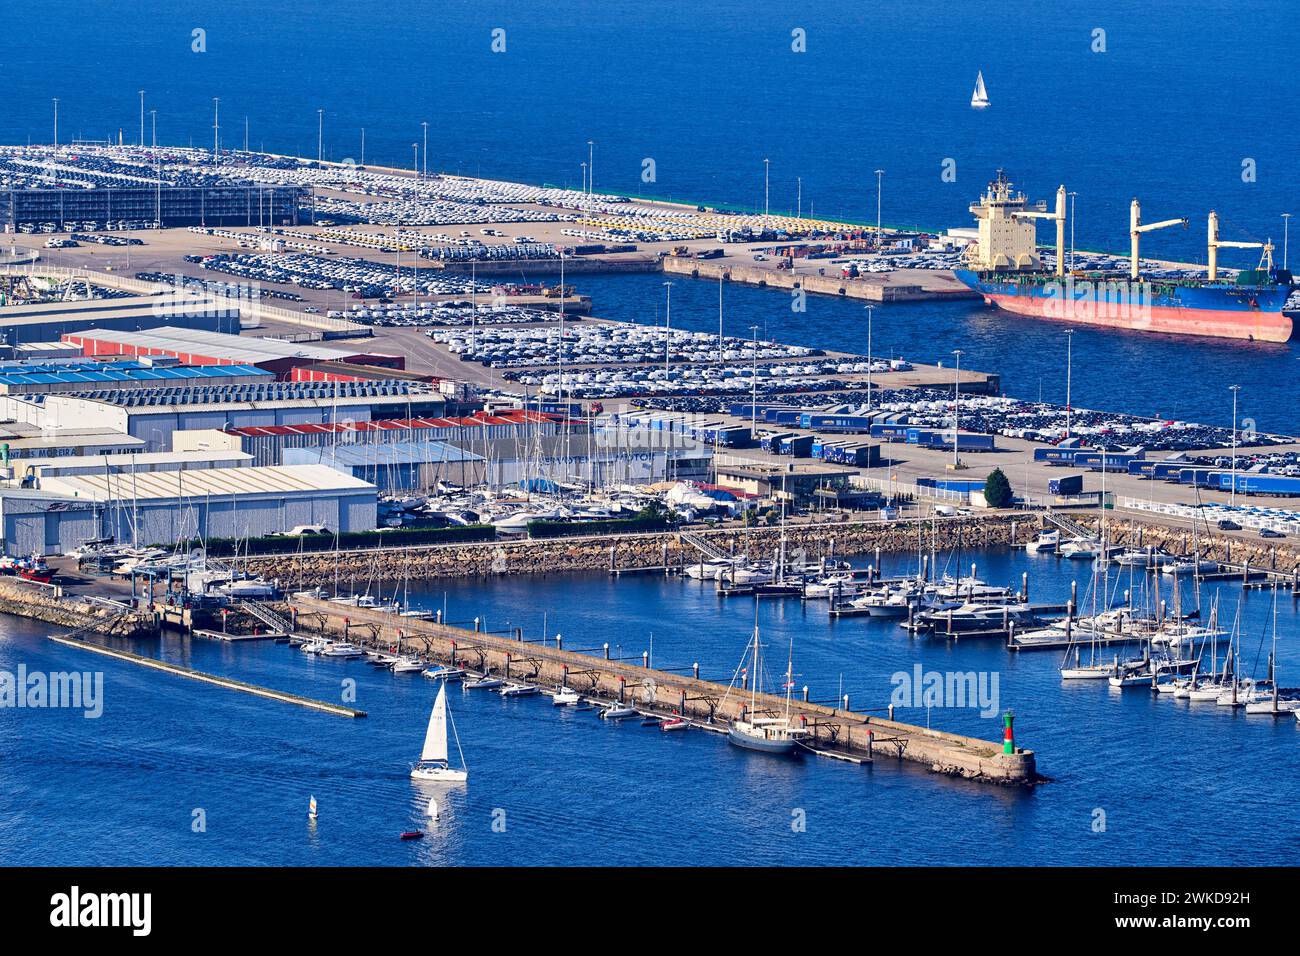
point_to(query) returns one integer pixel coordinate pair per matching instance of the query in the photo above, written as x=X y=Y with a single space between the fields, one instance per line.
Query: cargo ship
x=1005 y=268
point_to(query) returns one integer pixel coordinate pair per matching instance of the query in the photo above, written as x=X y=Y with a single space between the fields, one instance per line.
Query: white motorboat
x=407 y=665
x=484 y=683
x=1045 y=542
x=446 y=673
x=618 y=712
x=566 y=697
x=1190 y=567
x=433 y=764
x=838 y=585
x=342 y=649
x=518 y=690
x=1081 y=549
x=708 y=570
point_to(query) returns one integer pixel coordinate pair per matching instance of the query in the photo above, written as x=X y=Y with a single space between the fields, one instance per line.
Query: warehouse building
x=396 y=466
x=162 y=507
x=22 y=441
x=153 y=414
x=32 y=470
x=198 y=347
x=41 y=522
x=38 y=378
x=47 y=321
x=268 y=444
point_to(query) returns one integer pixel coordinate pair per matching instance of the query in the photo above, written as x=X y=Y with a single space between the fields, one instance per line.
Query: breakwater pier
x=837 y=731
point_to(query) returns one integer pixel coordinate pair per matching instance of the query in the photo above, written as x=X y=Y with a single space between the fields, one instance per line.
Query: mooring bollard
x=871 y=740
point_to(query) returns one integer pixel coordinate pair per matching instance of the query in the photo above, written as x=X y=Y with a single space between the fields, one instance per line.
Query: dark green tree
x=997 y=490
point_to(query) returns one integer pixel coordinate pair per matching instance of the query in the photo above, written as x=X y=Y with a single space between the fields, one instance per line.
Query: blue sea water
x=1169 y=113
x=1177 y=783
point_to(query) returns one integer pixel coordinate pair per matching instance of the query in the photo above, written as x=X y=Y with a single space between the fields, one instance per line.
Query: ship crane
x=1137 y=227
x=1059 y=215
x=1216 y=244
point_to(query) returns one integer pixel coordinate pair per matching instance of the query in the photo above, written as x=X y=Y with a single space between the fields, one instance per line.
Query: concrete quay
x=837 y=732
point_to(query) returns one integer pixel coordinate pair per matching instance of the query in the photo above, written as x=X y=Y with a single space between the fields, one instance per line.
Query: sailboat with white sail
x=433 y=764
x=980 y=98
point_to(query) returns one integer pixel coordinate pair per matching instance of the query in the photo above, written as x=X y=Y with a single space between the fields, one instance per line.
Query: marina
x=677 y=456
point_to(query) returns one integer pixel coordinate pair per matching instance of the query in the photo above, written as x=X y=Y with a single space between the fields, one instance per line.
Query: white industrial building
x=153 y=414
x=129 y=464
x=162 y=507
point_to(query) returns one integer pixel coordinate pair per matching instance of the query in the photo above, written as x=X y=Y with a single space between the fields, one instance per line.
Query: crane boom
x=1137 y=227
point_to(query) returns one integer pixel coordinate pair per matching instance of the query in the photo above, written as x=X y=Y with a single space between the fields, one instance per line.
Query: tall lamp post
x=870 y=310
x=956 y=397
x=1232 y=492
x=1069 y=374
x=141 y=118
x=879 y=183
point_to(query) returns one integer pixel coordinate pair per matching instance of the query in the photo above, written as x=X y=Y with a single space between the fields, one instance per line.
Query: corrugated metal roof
x=389 y=424
x=119 y=372
x=214 y=345
x=209 y=482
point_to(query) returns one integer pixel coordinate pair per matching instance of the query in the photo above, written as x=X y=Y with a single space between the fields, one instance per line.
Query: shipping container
x=797 y=446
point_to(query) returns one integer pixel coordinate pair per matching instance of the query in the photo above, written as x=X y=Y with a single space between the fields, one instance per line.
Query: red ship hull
x=1251 y=326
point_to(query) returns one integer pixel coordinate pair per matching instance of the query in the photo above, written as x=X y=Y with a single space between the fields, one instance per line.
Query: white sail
x=435 y=739
x=980 y=97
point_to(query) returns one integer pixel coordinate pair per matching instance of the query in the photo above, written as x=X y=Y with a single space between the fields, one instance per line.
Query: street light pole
x=956 y=398
x=320 y=136
x=56 y=121
x=668 y=324
x=1069 y=371
x=870 y=310
x=216 y=128
x=591 y=166
x=142 y=118
x=424 y=170
x=1232 y=492
x=880 y=173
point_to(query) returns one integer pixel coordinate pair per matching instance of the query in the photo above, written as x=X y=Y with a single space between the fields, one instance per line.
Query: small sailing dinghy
x=433 y=763
x=980 y=98
x=311 y=809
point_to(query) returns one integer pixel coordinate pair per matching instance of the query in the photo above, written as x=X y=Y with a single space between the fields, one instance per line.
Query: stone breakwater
x=1261 y=553
x=44 y=604
x=641 y=551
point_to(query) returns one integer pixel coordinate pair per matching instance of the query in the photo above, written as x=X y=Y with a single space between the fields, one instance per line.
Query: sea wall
x=46 y=604
x=1262 y=553
x=640 y=551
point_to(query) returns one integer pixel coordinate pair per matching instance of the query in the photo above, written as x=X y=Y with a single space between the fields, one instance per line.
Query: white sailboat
x=980 y=98
x=774 y=735
x=433 y=763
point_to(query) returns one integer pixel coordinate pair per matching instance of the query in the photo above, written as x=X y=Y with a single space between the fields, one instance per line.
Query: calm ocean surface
x=1168 y=113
